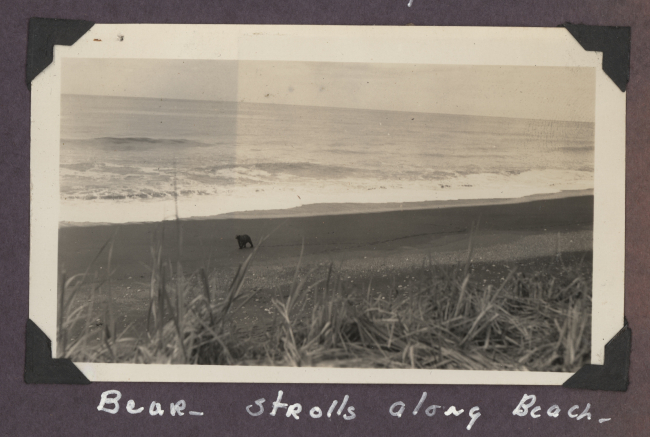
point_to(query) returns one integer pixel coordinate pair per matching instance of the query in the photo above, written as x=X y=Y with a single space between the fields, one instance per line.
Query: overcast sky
x=552 y=93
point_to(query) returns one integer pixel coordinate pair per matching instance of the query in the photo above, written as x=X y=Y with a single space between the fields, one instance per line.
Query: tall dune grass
x=442 y=319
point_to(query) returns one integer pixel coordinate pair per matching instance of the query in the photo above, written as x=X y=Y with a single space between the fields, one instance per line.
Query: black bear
x=243 y=240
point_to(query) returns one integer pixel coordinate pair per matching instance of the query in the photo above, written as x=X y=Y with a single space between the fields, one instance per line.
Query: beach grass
x=442 y=318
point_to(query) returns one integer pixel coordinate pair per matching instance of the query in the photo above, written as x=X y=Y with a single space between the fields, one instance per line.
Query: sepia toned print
x=326 y=214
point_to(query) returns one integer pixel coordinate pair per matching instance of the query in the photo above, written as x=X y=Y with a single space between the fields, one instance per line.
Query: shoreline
x=334 y=209
x=326 y=209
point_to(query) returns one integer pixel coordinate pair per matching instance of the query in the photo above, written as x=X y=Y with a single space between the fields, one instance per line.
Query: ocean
x=142 y=160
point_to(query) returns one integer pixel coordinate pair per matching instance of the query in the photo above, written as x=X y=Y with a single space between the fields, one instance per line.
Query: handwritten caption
x=527 y=403
x=294 y=410
x=110 y=403
x=112 y=398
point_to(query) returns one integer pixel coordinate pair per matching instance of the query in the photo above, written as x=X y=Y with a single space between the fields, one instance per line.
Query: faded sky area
x=549 y=93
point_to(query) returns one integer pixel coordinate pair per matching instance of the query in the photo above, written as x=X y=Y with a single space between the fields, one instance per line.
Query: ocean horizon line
x=332 y=107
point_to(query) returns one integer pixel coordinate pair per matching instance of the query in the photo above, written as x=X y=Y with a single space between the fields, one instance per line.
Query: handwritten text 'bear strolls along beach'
x=344 y=410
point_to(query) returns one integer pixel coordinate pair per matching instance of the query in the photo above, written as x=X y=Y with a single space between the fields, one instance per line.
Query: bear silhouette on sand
x=243 y=240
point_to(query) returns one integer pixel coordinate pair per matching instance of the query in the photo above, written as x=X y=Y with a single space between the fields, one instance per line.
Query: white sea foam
x=260 y=197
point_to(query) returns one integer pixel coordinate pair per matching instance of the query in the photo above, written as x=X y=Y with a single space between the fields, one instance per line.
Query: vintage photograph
x=333 y=205
x=326 y=214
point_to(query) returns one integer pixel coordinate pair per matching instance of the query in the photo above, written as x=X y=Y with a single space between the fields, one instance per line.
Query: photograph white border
x=386 y=44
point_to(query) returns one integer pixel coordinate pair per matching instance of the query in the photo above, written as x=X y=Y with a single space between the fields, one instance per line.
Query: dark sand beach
x=328 y=237
x=385 y=246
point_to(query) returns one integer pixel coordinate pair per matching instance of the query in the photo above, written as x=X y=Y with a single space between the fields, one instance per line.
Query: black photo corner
x=43 y=35
x=613 y=42
x=40 y=367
